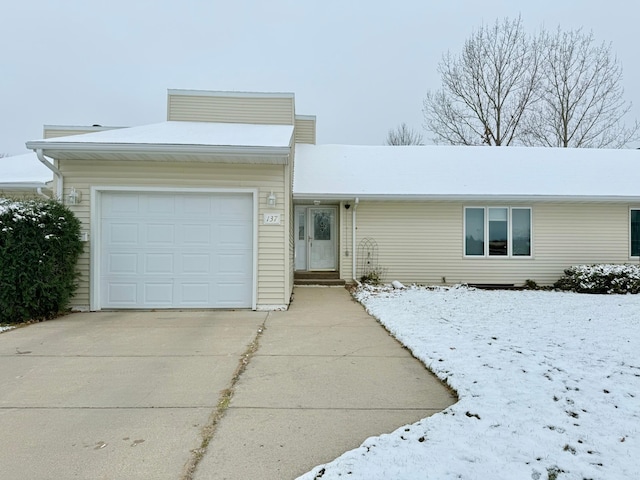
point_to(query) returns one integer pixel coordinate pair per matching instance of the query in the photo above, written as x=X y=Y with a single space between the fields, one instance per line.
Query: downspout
x=41 y=193
x=353 y=238
x=56 y=172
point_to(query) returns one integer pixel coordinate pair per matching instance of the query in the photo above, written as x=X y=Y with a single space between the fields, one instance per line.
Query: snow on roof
x=182 y=134
x=344 y=171
x=23 y=169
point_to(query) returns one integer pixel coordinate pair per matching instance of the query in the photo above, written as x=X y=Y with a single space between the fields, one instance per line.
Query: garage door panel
x=195 y=263
x=122 y=205
x=195 y=294
x=122 y=294
x=122 y=233
x=160 y=233
x=122 y=263
x=159 y=294
x=161 y=204
x=155 y=263
x=195 y=234
x=173 y=250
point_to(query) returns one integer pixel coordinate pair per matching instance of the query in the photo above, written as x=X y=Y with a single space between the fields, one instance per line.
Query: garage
x=166 y=249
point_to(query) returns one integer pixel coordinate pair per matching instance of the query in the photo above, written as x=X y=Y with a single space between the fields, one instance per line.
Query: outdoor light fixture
x=271 y=199
x=74 y=197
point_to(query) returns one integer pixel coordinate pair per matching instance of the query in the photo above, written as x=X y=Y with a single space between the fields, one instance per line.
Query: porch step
x=317 y=278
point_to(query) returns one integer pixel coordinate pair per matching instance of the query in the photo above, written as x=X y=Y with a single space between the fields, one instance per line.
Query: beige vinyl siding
x=305 y=128
x=422 y=242
x=228 y=108
x=272 y=263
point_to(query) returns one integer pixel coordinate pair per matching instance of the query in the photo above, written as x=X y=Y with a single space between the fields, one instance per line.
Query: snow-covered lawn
x=549 y=387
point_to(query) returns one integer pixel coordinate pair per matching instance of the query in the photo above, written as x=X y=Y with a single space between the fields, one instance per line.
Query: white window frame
x=509 y=254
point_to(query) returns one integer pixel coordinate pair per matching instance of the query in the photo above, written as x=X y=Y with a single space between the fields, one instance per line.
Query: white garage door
x=176 y=250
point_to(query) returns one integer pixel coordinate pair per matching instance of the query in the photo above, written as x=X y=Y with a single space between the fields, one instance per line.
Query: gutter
x=353 y=238
x=60 y=183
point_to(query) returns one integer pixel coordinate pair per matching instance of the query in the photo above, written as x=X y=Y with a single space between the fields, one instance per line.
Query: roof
x=173 y=138
x=23 y=171
x=464 y=172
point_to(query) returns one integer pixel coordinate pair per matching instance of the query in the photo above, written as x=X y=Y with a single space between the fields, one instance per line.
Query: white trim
x=337 y=197
x=95 y=235
x=162 y=148
x=222 y=93
x=305 y=117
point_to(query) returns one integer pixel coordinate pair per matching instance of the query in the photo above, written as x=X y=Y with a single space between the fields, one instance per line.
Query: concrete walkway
x=325 y=377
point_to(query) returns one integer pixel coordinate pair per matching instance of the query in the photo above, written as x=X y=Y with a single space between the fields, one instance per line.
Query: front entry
x=316 y=238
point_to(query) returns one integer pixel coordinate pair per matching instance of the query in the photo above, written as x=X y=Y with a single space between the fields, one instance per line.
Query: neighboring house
x=23 y=176
x=218 y=207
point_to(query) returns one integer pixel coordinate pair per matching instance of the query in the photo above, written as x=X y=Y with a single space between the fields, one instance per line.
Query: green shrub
x=601 y=279
x=39 y=248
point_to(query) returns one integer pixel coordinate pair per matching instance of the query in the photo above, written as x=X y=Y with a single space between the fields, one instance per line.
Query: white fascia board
x=79 y=147
x=466 y=198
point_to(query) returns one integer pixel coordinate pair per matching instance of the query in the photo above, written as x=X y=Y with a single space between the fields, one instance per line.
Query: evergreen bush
x=39 y=248
x=602 y=278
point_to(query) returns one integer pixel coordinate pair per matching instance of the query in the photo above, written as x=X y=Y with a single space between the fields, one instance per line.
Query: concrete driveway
x=134 y=395
x=114 y=395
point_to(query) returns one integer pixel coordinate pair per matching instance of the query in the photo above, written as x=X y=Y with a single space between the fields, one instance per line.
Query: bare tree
x=487 y=89
x=403 y=135
x=581 y=103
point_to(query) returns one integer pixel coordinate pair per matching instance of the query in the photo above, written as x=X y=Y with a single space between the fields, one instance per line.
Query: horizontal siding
x=268 y=110
x=423 y=242
x=82 y=175
x=305 y=129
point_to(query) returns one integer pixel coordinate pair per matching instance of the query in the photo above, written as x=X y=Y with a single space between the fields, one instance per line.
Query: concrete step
x=319 y=281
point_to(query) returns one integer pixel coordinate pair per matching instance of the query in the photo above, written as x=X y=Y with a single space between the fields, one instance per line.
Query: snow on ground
x=4 y=328
x=549 y=387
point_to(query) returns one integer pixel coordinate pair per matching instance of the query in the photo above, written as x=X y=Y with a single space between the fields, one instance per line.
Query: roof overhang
x=162 y=152
x=176 y=141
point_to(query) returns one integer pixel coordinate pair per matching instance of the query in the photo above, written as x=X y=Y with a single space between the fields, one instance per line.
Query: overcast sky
x=362 y=67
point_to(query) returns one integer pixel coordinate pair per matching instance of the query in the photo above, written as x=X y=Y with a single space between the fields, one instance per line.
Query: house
x=221 y=204
x=23 y=176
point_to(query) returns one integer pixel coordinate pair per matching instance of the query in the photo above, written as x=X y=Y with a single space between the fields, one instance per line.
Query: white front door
x=316 y=238
x=322 y=238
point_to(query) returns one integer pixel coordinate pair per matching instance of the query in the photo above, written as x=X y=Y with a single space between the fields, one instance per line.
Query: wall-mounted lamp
x=74 y=197
x=347 y=206
x=271 y=199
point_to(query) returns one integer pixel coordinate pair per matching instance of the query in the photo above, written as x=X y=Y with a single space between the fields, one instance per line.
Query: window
x=501 y=231
x=635 y=232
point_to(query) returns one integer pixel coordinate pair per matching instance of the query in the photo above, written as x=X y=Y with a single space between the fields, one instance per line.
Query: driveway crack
x=218 y=413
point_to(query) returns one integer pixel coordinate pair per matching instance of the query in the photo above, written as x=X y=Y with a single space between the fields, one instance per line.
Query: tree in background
x=487 y=89
x=403 y=135
x=581 y=99
x=510 y=88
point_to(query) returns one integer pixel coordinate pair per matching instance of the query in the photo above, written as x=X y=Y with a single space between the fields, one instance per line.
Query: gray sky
x=362 y=67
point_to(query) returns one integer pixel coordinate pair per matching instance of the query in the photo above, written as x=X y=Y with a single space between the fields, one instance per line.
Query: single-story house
x=222 y=204
x=24 y=176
